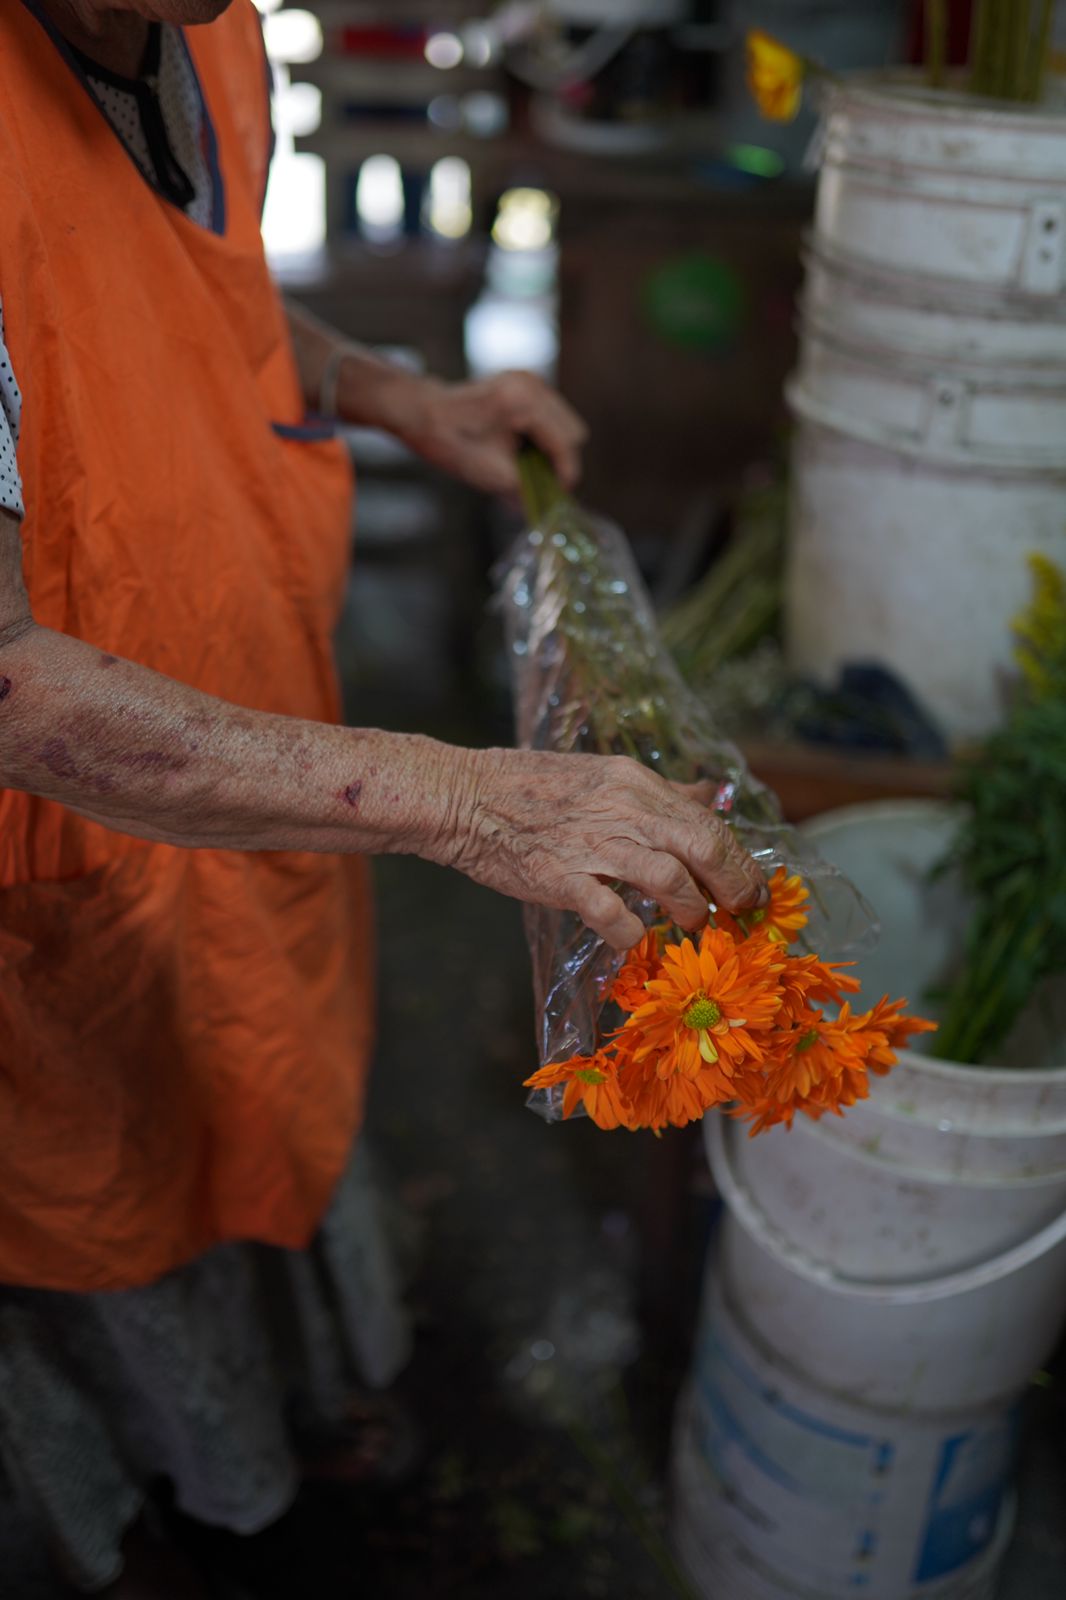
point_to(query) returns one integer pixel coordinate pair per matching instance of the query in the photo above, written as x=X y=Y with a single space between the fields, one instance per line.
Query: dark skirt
x=198 y=1379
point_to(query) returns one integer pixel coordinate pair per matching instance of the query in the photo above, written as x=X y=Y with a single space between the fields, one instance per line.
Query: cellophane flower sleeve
x=591 y=674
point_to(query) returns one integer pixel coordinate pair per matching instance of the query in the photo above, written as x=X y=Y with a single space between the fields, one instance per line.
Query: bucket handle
x=1042 y=267
x=788 y=1255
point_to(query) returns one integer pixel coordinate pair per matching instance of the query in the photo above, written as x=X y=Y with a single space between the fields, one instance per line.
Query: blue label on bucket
x=967 y=1494
x=783 y=1467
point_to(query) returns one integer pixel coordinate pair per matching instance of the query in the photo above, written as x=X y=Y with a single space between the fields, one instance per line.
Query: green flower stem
x=1041 y=51
x=542 y=493
x=1020 y=34
x=980 y=35
x=936 y=41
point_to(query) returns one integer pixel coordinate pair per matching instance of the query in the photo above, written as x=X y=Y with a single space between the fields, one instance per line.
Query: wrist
x=374 y=393
x=421 y=799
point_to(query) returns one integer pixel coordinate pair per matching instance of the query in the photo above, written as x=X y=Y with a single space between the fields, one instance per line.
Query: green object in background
x=696 y=302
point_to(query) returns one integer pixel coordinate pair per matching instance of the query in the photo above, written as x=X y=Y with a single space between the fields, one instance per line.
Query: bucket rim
x=917 y=1291
x=825 y=1129
x=949 y=1072
x=835 y=427
x=897 y=442
x=904 y=93
x=990 y=374
x=945 y=296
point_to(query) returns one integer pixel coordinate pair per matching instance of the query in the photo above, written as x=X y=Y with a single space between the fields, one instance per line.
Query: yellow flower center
x=590 y=1075
x=809 y=1038
x=702 y=1013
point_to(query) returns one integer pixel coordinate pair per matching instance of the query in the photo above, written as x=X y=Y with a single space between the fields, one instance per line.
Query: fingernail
x=764 y=897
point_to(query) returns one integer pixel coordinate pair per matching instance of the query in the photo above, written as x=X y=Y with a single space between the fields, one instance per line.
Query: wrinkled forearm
x=146 y=755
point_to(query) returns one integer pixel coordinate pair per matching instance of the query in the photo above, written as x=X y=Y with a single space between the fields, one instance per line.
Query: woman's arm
x=469 y=429
x=146 y=755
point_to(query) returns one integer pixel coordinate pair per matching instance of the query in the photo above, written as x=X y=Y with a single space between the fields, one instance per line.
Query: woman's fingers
x=666 y=880
x=602 y=910
x=716 y=860
x=539 y=413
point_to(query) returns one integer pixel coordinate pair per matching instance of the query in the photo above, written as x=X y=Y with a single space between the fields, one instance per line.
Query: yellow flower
x=775 y=76
x=1041 y=630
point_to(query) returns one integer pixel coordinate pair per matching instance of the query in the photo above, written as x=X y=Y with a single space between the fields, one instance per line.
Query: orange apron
x=183 y=1034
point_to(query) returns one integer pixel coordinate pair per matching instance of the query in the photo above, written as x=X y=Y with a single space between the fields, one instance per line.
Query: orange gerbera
x=591 y=1081
x=786 y=914
x=775 y=76
x=764 y=1113
x=641 y=963
x=889 y=1031
x=807 y=979
x=811 y=1053
x=706 y=1006
x=656 y=1102
x=780 y=921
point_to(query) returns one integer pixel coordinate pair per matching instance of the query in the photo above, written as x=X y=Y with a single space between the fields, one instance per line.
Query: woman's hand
x=557 y=830
x=469 y=429
x=472 y=430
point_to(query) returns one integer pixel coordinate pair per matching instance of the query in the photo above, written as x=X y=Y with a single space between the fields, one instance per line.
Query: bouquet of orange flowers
x=747 y=1015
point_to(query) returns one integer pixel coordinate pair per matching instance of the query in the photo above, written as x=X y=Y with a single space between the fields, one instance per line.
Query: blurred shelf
x=809 y=779
x=389 y=81
x=440 y=14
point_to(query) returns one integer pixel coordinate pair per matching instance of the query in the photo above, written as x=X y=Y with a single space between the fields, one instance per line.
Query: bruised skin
x=145 y=755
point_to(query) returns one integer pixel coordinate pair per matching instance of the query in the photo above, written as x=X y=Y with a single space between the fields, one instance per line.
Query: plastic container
x=944 y=1164
x=903 y=555
x=783 y=1491
x=885 y=1286
x=899 y=313
x=930 y=455
x=975 y=411
x=945 y=186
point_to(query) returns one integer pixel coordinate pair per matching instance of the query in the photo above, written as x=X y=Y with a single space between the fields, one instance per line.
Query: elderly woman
x=185 y=1005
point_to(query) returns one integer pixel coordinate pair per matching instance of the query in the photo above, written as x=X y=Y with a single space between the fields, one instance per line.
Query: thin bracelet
x=329 y=382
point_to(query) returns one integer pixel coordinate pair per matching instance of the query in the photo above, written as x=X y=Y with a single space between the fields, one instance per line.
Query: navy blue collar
x=75 y=62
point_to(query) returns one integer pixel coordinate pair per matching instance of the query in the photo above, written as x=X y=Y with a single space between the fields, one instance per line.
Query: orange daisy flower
x=706 y=1006
x=782 y=920
x=656 y=1102
x=890 y=1031
x=851 y=1083
x=641 y=963
x=807 y=978
x=764 y=1113
x=813 y=1052
x=591 y=1081
x=786 y=914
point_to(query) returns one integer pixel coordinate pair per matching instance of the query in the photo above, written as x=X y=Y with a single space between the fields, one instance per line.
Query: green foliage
x=1011 y=852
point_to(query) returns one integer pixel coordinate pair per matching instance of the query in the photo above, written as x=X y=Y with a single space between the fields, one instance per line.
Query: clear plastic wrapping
x=591 y=674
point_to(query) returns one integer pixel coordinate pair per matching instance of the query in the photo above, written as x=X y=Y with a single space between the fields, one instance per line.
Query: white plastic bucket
x=784 y=1490
x=841 y=1436
x=917 y=563
x=885 y=1286
x=943 y=1165
x=968 y=412
x=957 y=1342
x=902 y=313
x=945 y=186
x=722 y=1567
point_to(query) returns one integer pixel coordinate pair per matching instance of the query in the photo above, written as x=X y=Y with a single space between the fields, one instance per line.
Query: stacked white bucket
x=930 y=396
x=884 y=1287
